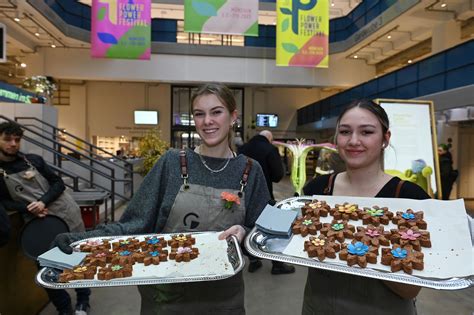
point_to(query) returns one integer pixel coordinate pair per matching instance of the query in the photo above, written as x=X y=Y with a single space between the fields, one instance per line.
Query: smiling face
x=213 y=120
x=360 y=139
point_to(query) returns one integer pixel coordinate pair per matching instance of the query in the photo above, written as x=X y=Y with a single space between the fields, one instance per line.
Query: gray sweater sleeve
x=150 y=206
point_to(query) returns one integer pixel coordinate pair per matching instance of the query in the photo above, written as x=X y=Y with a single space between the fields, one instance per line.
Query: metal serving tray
x=48 y=277
x=271 y=247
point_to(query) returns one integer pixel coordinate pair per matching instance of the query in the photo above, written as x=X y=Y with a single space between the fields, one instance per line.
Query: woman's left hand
x=236 y=230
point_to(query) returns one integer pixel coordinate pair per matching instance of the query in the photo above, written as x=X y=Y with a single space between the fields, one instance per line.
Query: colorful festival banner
x=302 y=33
x=121 y=29
x=236 y=17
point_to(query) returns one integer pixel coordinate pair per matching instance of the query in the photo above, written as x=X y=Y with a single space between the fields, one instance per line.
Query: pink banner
x=121 y=29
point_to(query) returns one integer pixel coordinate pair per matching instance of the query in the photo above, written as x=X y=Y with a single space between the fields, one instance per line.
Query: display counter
x=19 y=293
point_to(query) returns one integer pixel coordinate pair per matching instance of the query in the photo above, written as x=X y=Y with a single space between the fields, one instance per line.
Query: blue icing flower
x=125 y=253
x=399 y=253
x=153 y=241
x=358 y=248
x=155 y=253
x=408 y=216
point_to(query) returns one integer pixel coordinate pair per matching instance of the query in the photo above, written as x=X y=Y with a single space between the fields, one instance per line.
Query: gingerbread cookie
x=78 y=273
x=321 y=247
x=180 y=240
x=411 y=236
x=184 y=254
x=338 y=229
x=402 y=258
x=358 y=253
x=155 y=257
x=346 y=211
x=306 y=225
x=114 y=271
x=409 y=219
x=316 y=209
x=374 y=236
x=153 y=243
x=376 y=215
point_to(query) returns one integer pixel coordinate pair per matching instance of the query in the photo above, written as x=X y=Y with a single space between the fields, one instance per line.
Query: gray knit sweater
x=149 y=208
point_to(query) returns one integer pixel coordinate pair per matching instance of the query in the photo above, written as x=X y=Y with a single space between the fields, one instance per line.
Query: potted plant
x=43 y=86
x=151 y=147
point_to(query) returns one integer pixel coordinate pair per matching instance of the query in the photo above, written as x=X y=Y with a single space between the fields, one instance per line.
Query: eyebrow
x=360 y=126
x=215 y=107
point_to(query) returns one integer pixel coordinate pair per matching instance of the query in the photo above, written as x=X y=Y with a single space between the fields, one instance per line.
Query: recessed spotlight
x=16 y=19
x=37 y=34
x=389 y=36
x=23 y=65
x=53 y=46
x=410 y=61
x=443 y=5
x=355 y=56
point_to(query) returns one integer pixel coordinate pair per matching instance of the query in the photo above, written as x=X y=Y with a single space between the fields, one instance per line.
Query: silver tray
x=48 y=277
x=271 y=247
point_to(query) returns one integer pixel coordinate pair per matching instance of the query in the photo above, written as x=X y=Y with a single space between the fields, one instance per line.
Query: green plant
x=40 y=84
x=151 y=147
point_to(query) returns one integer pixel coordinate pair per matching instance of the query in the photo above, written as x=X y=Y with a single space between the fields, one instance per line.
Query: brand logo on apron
x=19 y=188
x=193 y=224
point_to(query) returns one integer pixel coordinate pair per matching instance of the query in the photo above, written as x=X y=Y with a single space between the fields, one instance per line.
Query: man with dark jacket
x=4 y=226
x=261 y=149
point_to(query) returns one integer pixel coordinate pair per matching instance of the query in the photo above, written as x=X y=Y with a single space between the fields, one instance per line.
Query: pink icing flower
x=94 y=243
x=372 y=233
x=409 y=235
x=183 y=250
x=100 y=255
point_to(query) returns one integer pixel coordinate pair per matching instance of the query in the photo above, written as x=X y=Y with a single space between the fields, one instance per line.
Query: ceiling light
x=16 y=19
x=443 y=5
x=355 y=56
x=332 y=4
x=389 y=36
x=410 y=61
x=37 y=34
x=53 y=45
x=23 y=65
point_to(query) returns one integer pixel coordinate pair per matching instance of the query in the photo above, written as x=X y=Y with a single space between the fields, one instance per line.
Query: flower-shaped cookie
x=346 y=211
x=321 y=247
x=184 y=254
x=78 y=273
x=124 y=257
x=114 y=271
x=405 y=258
x=410 y=218
x=153 y=243
x=154 y=257
x=130 y=244
x=316 y=209
x=94 y=245
x=376 y=215
x=180 y=240
x=411 y=236
x=338 y=229
x=306 y=225
x=358 y=253
x=372 y=235
x=98 y=258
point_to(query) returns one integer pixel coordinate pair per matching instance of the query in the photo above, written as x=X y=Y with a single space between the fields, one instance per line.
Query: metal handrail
x=90 y=145
x=63 y=172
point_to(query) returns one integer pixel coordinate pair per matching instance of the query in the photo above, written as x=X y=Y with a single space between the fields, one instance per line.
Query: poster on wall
x=121 y=29
x=302 y=33
x=233 y=17
x=413 y=146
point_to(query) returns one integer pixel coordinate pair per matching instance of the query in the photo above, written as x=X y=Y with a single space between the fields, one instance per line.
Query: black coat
x=261 y=150
x=4 y=226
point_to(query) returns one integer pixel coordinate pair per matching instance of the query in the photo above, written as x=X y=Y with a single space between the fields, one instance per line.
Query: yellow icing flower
x=181 y=237
x=318 y=242
x=347 y=208
x=80 y=269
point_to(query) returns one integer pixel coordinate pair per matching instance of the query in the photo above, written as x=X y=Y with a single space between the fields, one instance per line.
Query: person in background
x=183 y=193
x=261 y=149
x=447 y=174
x=4 y=226
x=29 y=186
x=362 y=134
x=323 y=166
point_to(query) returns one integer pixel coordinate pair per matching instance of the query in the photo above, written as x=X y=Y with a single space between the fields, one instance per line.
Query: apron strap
x=399 y=187
x=184 y=168
x=328 y=188
x=245 y=176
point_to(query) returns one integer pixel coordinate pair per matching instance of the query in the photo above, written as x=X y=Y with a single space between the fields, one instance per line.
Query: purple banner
x=121 y=29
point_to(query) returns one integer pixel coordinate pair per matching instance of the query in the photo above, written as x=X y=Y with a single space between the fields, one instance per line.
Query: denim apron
x=199 y=208
x=29 y=185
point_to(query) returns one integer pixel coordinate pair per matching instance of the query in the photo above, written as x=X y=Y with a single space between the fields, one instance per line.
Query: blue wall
x=444 y=71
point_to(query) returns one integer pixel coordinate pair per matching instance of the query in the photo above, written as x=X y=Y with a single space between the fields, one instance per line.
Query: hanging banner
x=233 y=17
x=302 y=33
x=121 y=29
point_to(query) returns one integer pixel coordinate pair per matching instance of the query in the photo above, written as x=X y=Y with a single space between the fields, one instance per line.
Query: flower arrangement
x=229 y=199
x=40 y=84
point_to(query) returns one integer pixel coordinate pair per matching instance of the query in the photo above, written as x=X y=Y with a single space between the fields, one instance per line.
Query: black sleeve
x=56 y=185
x=411 y=190
x=276 y=166
x=316 y=186
x=4 y=226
